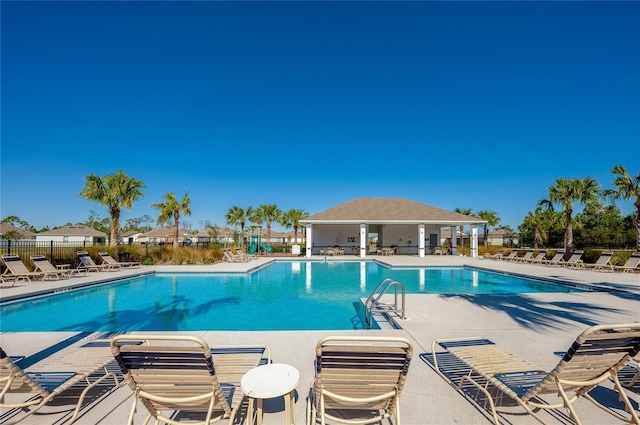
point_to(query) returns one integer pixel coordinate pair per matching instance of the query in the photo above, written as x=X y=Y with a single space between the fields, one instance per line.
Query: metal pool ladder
x=373 y=305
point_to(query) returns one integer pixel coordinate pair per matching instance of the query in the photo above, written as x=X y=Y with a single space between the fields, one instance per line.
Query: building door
x=433 y=240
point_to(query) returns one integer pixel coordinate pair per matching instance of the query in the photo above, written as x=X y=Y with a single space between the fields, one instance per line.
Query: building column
x=309 y=240
x=473 y=239
x=363 y=240
x=454 y=239
x=421 y=240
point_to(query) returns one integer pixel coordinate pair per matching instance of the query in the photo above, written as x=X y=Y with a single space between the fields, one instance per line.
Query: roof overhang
x=439 y=222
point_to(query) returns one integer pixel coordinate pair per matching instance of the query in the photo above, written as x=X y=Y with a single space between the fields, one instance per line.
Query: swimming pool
x=281 y=296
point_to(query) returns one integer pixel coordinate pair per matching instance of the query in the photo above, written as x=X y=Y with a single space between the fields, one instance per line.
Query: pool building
x=407 y=226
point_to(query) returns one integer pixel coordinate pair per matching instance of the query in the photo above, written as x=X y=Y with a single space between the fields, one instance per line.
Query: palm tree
x=538 y=221
x=292 y=218
x=492 y=219
x=627 y=188
x=114 y=191
x=465 y=211
x=268 y=214
x=172 y=208
x=237 y=216
x=567 y=191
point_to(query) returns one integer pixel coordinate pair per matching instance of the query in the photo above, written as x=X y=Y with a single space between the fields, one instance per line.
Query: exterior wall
x=133 y=239
x=343 y=235
x=402 y=236
x=72 y=239
x=405 y=236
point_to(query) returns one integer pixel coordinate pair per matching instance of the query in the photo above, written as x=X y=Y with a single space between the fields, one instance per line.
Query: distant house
x=130 y=237
x=10 y=229
x=162 y=235
x=77 y=234
x=289 y=237
x=502 y=237
x=223 y=235
x=201 y=237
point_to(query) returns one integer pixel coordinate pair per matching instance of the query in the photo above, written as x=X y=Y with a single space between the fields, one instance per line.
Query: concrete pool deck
x=535 y=326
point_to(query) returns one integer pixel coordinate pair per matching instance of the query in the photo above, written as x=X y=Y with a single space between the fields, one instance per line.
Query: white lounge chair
x=555 y=260
x=525 y=258
x=87 y=263
x=18 y=271
x=513 y=254
x=360 y=375
x=631 y=266
x=46 y=380
x=602 y=264
x=234 y=258
x=181 y=373
x=108 y=259
x=542 y=255
x=596 y=356
x=43 y=264
x=247 y=256
x=575 y=261
x=497 y=256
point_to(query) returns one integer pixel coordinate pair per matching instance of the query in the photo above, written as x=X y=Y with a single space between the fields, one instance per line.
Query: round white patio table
x=270 y=381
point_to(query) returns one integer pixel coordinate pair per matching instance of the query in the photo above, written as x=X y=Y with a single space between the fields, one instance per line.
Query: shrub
x=184 y=255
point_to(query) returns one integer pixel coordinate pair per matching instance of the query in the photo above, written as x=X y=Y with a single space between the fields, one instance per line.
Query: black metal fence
x=66 y=252
x=57 y=252
x=586 y=239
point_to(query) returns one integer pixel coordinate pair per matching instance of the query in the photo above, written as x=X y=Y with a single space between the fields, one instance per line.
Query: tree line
x=116 y=191
x=599 y=223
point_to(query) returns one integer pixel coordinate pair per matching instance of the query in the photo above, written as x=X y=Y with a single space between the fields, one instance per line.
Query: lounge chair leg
x=567 y=404
x=623 y=398
x=486 y=393
x=86 y=390
x=133 y=410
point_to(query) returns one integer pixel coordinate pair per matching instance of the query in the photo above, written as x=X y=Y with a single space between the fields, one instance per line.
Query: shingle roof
x=77 y=230
x=388 y=210
x=7 y=227
x=162 y=232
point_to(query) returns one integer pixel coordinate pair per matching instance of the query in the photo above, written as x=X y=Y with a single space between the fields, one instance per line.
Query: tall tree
x=565 y=192
x=96 y=222
x=465 y=211
x=539 y=223
x=115 y=191
x=627 y=188
x=172 y=208
x=492 y=220
x=18 y=222
x=237 y=216
x=268 y=213
x=292 y=218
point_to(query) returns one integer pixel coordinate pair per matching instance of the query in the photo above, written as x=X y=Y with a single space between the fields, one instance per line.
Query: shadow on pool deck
x=532 y=313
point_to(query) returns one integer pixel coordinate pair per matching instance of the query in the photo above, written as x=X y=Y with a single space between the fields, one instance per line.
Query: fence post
x=9 y=246
x=51 y=250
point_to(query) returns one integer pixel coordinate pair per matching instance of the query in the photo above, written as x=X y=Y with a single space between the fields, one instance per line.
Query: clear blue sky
x=307 y=105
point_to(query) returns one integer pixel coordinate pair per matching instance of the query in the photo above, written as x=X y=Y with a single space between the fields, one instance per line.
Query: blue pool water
x=282 y=296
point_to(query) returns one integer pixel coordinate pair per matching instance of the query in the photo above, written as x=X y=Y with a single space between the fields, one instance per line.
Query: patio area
x=535 y=326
